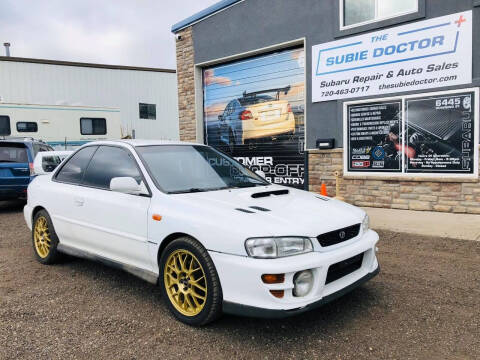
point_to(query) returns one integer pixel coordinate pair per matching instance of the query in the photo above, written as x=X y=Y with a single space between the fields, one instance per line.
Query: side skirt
x=146 y=275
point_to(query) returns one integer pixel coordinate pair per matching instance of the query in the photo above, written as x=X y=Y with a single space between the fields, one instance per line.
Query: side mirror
x=220 y=117
x=260 y=173
x=126 y=185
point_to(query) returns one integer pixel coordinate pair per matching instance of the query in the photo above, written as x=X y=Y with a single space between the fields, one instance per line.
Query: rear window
x=93 y=126
x=252 y=100
x=13 y=153
x=5 y=125
x=27 y=126
x=72 y=171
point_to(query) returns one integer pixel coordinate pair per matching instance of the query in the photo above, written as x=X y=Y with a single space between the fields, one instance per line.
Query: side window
x=27 y=126
x=93 y=126
x=5 y=125
x=74 y=168
x=109 y=162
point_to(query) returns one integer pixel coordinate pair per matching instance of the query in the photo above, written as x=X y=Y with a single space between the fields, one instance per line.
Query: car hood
x=295 y=212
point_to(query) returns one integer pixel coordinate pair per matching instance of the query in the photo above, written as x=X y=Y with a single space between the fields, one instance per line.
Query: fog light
x=303 y=282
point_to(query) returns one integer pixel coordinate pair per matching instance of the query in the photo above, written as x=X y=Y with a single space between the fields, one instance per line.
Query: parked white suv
x=214 y=235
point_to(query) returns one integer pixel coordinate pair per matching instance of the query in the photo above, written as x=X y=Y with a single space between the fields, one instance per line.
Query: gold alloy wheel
x=41 y=237
x=185 y=282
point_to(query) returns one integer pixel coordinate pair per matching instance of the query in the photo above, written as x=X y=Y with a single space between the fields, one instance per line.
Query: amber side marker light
x=277 y=293
x=273 y=278
x=156 y=217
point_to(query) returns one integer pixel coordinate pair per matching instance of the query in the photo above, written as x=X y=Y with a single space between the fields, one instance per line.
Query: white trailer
x=62 y=127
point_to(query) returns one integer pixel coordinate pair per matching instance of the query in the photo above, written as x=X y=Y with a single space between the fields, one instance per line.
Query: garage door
x=254 y=110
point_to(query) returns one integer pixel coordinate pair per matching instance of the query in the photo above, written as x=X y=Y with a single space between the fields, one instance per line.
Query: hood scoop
x=268 y=193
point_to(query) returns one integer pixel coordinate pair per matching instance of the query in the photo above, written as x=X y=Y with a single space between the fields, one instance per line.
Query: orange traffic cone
x=323 y=190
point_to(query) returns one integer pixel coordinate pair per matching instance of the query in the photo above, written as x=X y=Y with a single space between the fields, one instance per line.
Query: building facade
x=383 y=95
x=145 y=97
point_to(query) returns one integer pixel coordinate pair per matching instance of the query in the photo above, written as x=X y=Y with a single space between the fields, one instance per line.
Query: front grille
x=345 y=267
x=338 y=236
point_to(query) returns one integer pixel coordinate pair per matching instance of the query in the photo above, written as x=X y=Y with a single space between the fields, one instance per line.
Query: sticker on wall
x=421 y=55
x=254 y=111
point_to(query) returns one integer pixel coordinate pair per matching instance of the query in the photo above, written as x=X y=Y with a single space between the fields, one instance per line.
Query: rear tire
x=189 y=282
x=44 y=239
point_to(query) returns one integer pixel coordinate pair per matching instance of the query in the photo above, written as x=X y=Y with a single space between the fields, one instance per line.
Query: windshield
x=14 y=153
x=191 y=168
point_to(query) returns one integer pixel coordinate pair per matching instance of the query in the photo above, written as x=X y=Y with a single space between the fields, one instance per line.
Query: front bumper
x=244 y=292
x=251 y=311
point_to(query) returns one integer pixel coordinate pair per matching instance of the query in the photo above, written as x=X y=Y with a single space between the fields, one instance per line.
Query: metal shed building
x=128 y=88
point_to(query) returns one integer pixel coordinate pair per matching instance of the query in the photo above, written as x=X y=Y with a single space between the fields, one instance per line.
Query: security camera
x=178 y=37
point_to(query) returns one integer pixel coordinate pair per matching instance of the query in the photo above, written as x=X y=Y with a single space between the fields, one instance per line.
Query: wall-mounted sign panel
x=373 y=137
x=422 y=55
x=440 y=132
x=414 y=135
x=254 y=111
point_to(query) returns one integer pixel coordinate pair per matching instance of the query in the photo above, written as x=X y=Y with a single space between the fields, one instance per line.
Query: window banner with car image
x=254 y=111
x=419 y=134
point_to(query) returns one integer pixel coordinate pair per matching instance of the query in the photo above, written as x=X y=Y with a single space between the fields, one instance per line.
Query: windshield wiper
x=196 y=190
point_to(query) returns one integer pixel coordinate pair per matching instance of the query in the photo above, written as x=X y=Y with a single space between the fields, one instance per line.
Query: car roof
x=22 y=140
x=142 y=142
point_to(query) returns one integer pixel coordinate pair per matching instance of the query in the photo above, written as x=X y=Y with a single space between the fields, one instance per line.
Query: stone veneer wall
x=186 y=86
x=444 y=195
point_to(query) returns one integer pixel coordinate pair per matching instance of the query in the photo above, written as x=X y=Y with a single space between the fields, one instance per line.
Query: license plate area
x=270 y=115
x=344 y=267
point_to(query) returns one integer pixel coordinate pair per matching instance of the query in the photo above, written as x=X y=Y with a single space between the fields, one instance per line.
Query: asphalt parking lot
x=423 y=305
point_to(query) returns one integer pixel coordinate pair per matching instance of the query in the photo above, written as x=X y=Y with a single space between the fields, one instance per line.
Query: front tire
x=44 y=239
x=189 y=282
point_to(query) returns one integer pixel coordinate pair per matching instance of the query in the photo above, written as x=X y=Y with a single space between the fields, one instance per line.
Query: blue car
x=16 y=165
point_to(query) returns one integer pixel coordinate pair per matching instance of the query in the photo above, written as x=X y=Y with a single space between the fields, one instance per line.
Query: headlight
x=365 y=223
x=269 y=248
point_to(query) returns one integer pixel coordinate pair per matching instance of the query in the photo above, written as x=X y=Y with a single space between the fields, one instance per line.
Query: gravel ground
x=423 y=305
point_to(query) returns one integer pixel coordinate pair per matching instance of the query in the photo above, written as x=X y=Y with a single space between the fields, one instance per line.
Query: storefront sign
x=425 y=134
x=422 y=55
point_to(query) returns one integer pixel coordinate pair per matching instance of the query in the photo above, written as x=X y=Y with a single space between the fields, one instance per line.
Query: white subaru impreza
x=214 y=235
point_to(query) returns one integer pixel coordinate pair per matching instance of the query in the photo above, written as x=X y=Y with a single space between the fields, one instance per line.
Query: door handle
x=78 y=201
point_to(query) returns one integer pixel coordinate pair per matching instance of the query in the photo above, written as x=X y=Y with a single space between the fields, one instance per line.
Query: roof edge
x=203 y=14
x=82 y=64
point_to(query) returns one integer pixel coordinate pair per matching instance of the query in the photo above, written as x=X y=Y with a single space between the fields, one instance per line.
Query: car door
x=62 y=195
x=113 y=224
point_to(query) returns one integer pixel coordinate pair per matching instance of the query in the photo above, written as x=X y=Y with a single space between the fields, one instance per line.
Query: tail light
x=246 y=115
x=289 y=108
x=30 y=166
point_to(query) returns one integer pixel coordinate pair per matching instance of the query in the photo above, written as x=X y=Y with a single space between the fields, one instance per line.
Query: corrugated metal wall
x=33 y=83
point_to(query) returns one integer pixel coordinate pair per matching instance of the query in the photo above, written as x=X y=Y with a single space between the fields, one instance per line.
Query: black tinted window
x=5 y=125
x=72 y=171
x=14 y=153
x=147 y=111
x=27 y=126
x=93 y=126
x=107 y=163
